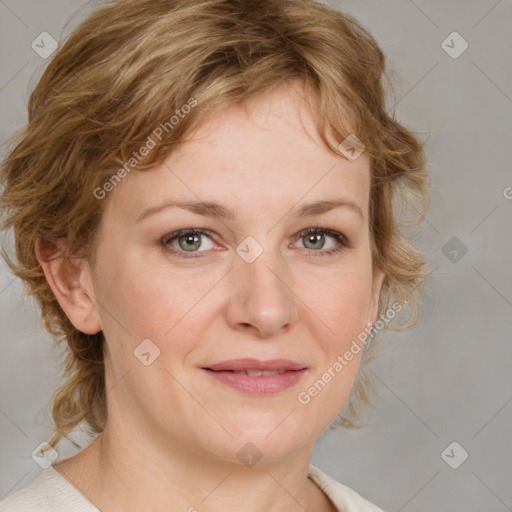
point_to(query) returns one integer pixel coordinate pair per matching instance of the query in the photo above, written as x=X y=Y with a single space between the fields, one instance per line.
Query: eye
x=315 y=239
x=188 y=241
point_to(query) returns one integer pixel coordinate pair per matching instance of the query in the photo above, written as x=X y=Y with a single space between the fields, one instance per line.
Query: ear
x=378 y=279
x=70 y=280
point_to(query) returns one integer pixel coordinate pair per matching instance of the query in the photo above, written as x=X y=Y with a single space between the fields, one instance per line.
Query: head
x=247 y=111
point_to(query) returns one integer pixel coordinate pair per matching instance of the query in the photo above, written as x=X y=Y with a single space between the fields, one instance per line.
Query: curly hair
x=132 y=65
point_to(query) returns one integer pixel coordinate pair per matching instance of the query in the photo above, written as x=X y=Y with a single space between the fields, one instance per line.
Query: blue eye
x=316 y=237
x=189 y=243
x=188 y=240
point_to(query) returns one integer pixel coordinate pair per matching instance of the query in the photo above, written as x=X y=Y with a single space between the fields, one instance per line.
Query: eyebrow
x=218 y=211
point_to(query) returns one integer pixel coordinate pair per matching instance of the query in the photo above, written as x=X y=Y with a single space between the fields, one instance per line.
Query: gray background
x=448 y=379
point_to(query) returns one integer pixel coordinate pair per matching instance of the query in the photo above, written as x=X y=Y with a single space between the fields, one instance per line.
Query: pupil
x=192 y=241
x=315 y=238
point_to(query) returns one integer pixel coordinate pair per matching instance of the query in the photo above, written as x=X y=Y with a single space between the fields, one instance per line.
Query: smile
x=256 y=377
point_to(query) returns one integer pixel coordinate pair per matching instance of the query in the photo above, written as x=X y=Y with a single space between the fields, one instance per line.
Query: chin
x=262 y=441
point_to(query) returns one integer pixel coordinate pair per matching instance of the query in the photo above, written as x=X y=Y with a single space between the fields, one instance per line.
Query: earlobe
x=69 y=279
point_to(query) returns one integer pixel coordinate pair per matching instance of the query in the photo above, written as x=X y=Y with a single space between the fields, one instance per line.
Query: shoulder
x=343 y=497
x=49 y=492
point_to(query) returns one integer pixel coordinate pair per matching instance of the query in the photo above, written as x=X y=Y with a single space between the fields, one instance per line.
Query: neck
x=115 y=473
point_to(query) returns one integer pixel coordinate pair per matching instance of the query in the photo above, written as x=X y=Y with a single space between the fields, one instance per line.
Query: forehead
x=262 y=153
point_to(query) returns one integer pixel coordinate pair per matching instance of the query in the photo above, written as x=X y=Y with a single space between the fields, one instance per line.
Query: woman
x=202 y=205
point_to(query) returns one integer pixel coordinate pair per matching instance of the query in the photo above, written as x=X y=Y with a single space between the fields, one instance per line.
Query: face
x=242 y=270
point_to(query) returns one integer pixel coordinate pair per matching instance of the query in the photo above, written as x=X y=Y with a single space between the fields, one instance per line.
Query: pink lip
x=256 y=364
x=261 y=384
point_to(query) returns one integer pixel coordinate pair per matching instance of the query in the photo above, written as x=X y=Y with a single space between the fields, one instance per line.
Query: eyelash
x=343 y=241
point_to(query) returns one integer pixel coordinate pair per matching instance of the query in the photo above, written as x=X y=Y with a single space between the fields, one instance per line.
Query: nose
x=262 y=300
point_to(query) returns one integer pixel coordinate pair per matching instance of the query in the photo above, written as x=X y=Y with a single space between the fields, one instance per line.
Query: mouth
x=256 y=377
x=257 y=373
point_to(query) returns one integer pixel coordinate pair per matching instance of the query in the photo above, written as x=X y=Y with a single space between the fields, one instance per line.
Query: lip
x=223 y=372
x=256 y=364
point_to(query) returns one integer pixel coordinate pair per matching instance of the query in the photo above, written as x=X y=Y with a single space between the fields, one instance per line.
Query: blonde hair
x=127 y=69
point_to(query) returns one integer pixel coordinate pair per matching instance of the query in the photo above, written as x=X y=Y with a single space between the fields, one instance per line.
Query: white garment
x=51 y=492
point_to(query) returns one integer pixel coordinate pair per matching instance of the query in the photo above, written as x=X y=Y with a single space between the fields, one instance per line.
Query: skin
x=173 y=432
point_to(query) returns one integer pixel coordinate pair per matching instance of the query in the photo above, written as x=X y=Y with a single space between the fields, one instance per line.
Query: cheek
x=143 y=298
x=340 y=301
x=340 y=307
